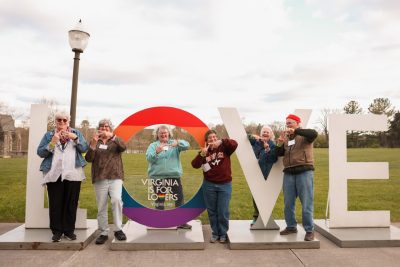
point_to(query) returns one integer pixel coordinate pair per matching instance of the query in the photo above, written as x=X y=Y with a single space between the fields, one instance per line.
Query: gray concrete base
x=140 y=237
x=259 y=225
x=242 y=237
x=360 y=237
x=22 y=238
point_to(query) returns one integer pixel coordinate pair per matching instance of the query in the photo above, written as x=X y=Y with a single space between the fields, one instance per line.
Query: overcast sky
x=265 y=58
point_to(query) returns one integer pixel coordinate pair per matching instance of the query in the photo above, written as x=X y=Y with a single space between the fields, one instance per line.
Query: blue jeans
x=217 y=198
x=301 y=185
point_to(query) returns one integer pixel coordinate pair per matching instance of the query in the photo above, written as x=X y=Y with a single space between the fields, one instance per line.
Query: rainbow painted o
x=132 y=125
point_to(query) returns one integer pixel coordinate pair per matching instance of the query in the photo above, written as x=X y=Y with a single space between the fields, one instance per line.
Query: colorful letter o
x=132 y=125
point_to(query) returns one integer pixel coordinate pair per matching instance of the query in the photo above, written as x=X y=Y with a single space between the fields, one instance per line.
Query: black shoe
x=288 y=231
x=101 y=239
x=185 y=226
x=56 y=237
x=70 y=236
x=120 y=235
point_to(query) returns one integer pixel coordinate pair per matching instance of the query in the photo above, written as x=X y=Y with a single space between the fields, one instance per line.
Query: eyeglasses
x=62 y=120
x=105 y=126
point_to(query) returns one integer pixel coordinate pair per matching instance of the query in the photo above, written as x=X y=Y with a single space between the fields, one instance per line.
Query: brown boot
x=288 y=231
x=309 y=236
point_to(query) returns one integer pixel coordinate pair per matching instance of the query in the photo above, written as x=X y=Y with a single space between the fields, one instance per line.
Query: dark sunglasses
x=62 y=120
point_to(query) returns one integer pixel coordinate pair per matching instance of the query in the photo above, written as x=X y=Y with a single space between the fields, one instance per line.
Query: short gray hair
x=106 y=121
x=61 y=115
x=162 y=127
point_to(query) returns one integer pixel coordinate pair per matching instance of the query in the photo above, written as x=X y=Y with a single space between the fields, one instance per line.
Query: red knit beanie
x=294 y=117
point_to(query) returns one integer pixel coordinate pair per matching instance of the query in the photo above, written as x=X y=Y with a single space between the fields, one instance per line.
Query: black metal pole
x=74 y=91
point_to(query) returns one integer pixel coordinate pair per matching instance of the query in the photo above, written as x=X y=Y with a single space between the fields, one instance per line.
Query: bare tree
x=253 y=128
x=221 y=131
x=85 y=129
x=323 y=120
x=53 y=106
x=277 y=127
x=7 y=110
x=3 y=108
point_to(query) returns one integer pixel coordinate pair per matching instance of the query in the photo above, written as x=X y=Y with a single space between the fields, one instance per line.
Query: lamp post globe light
x=78 y=40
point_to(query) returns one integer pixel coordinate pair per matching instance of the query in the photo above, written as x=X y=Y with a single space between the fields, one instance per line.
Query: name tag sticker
x=206 y=167
x=291 y=142
x=101 y=146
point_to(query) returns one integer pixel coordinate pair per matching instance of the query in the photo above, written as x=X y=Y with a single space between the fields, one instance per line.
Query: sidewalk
x=213 y=255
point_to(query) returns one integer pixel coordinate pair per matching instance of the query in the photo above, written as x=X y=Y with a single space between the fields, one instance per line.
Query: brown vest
x=299 y=154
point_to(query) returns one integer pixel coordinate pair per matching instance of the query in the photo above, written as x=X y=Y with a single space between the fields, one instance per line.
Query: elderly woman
x=264 y=150
x=62 y=167
x=107 y=174
x=163 y=157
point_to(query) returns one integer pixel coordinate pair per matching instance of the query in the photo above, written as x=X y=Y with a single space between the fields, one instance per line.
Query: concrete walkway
x=213 y=255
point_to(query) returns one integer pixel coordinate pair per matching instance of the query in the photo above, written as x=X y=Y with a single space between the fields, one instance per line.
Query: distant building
x=7 y=135
x=11 y=138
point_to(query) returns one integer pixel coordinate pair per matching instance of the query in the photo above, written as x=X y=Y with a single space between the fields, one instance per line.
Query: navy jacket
x=265 y=159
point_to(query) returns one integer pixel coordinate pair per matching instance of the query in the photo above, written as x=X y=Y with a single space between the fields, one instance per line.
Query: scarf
x=65 y=139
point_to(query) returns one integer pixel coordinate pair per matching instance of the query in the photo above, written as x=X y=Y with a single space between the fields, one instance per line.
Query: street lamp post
x=78 y=40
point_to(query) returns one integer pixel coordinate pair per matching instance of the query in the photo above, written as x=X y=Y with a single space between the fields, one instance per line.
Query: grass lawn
x=363 y=194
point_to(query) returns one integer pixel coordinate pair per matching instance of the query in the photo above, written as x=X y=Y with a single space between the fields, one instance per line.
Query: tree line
x=355 y=139
x=358 y=139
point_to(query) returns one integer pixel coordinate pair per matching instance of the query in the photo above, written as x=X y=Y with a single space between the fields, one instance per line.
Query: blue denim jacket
x=47 y=155
x=265 y=159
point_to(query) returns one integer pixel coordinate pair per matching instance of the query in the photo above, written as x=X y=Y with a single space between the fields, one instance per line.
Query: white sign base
x=22 y=238
x=140 y=237
x=240 y=237
x=365 y=237
x=260 y=225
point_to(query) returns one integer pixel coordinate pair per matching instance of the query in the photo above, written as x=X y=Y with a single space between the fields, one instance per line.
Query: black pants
x=176 y=188
x=63 y=203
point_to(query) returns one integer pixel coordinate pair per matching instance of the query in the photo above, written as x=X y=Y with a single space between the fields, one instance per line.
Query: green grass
x=363 y=194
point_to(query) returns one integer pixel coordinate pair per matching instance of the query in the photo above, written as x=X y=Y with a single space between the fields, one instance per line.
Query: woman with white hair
x=62 y=167
x=264 y=150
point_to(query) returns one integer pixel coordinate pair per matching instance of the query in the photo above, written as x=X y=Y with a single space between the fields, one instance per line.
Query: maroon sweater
x=219 y=161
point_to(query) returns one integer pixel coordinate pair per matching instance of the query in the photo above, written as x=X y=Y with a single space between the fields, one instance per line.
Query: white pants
x=112 y=188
